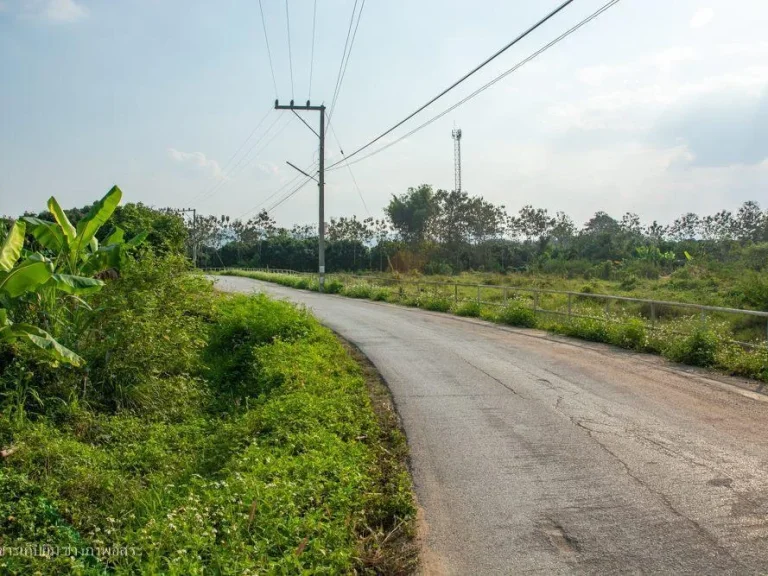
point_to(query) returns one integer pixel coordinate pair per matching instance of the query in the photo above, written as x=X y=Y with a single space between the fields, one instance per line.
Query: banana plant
x=78 y=254
x=17 y=280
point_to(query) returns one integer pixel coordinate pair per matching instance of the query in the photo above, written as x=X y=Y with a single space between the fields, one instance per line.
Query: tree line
x=439 y=231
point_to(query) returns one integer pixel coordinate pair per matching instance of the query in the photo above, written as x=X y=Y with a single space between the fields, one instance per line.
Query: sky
x=655 y=107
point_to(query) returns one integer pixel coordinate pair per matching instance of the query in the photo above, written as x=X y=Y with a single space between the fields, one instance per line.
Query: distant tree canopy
x=440 y=231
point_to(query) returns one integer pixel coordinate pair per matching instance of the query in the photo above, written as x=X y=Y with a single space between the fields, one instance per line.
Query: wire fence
x=748 y=328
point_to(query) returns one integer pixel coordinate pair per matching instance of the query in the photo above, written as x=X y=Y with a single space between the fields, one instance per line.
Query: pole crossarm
x=320 y=180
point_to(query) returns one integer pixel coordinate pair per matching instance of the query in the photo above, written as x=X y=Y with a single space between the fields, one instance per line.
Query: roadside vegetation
x=150 y=425
x=676 y=334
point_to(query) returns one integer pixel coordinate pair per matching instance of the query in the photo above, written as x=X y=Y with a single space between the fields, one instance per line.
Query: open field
x=732 y=342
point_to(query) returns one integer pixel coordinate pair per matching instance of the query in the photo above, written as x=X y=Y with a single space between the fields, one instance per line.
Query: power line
x=463 y=78
x=266 y=144
x=224 y=170
x=346 y=63
x=343 y=56
x=290 y=57
x=487 y=85
x=312 y=59
x=276 y=192
x=269 y=52
x=354 y=180
x=294 y=191
x=244 y=156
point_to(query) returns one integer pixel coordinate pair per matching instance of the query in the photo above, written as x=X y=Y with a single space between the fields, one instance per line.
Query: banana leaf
x=25 y=278
x=12 y=245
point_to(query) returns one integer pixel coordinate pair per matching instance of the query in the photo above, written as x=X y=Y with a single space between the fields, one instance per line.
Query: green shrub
x=469 y=308
x=357 y=291
x=629 y=334
x=516 y=314
x=301 y=283
x=585 y=328
x=437 y=304
x=381 y=295
x=333 y=287
x=698 y=349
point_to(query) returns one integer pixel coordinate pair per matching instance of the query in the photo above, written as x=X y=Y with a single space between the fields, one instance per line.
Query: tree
x=412 y=214
x=531 y=223
x=686 y=227
x=750 y=222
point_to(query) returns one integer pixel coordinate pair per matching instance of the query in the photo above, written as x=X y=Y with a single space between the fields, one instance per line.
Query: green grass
x=676 y=334
x=237 y=436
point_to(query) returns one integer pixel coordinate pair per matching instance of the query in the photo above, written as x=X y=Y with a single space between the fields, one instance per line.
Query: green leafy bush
x=357 y=291
x=515 y=314
x=629 y=333
x=437 y=304
x=698 y=349
x=334 y=287
x=469 y=308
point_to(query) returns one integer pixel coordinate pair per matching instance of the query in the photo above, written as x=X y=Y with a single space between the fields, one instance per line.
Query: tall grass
x=676 y=336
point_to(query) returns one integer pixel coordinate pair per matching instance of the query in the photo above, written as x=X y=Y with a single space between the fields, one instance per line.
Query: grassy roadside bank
x=681 y=339
x=210 y=434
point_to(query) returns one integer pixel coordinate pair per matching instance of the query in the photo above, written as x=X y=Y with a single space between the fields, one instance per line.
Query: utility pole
x=320 y=181
x=456 y=135
x=194 y=232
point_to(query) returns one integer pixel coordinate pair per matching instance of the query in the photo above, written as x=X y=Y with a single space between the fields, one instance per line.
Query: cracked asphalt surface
x=536 y=455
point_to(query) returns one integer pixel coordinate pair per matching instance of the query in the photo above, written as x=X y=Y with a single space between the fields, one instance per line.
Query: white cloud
x=197 y=160
x=59 y=11
x=65 y=11
x=702 y=17
x=629 y=97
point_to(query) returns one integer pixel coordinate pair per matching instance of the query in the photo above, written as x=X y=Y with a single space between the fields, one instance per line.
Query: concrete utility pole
x=194 y=232
x=456 y=135
x=320 y=181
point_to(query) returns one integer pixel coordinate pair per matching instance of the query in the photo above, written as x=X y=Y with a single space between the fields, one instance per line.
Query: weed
x=515 y=314
x=469 y=308
x=698 y=349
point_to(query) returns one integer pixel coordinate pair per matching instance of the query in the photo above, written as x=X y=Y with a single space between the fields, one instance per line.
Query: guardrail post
x=570 y=298
x=456 y=292
x=478 y=294
x=607 y=308
x=535 y=302
x=703 y=318
x=505 y=295
x=653 y=314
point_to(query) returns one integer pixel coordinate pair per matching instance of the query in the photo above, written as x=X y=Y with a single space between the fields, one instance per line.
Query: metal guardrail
x=654 y=305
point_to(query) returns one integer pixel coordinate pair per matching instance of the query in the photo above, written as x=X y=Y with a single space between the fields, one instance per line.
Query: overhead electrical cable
x=278 y=191
x=485 y=86
x=463 y=78
x=312 y=58
x=343 y=56
x=345 y=64
x=354 y=180
x=290 y=57
x=226 y=166
x=269 y=52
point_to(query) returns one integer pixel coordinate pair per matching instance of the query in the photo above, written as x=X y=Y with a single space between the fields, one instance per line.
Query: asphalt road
x=534 y=455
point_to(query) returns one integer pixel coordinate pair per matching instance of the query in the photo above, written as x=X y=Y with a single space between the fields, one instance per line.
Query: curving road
x=537 y=455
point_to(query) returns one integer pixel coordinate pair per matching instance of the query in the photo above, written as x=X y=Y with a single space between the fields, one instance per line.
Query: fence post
x=569 y=306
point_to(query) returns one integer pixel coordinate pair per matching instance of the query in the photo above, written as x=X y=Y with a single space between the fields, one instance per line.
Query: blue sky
x=656 y=107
